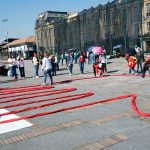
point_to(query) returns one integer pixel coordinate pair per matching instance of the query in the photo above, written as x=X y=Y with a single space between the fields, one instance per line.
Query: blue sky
x=21 y=14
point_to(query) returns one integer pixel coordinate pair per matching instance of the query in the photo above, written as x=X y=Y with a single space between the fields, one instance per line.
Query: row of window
x=148 y=15
x=148 y=26
x=148 y=10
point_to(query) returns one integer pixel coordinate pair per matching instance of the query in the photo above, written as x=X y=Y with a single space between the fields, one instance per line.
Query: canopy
x=117 y=46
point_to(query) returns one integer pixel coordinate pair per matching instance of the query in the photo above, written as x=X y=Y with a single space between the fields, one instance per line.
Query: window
x=104 y=18
x=148 y=26
x=135 y=12
x=148 y=10
x=112 y=17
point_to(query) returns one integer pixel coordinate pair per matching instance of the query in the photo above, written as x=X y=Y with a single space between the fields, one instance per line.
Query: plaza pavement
x=109 y=126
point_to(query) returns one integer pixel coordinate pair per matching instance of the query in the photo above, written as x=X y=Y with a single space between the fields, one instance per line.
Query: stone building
x=146 y=25
x=45 y=30
x=117 y=23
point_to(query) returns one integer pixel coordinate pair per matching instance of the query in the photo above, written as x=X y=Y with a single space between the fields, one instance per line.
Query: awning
x=117 y=46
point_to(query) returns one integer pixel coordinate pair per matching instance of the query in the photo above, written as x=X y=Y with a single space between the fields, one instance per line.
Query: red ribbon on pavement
x=133 y=103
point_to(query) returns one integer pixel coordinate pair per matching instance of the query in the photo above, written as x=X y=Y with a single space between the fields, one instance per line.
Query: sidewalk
x=110 y=126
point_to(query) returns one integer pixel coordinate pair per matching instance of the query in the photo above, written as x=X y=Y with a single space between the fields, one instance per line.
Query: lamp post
x=124 y=24
x=140 y=24
x=6 y=36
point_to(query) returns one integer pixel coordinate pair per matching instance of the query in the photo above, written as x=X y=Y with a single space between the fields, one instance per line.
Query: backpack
x=81 y=59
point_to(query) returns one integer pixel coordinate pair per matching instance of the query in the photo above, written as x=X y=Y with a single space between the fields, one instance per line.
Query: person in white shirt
x=103 y=60
x=21 y=66
x=46 y=68
x=35 y=62
x=12 y=67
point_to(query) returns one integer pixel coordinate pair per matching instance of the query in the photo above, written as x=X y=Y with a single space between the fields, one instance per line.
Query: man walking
x=46 y=68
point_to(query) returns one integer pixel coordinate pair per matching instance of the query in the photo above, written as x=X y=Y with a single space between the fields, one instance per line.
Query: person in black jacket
x=131 y=51
x=140 y=59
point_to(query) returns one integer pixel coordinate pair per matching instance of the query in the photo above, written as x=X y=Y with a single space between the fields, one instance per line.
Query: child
x=131 y=64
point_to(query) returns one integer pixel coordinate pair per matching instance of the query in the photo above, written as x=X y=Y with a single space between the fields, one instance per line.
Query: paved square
x=111 y=125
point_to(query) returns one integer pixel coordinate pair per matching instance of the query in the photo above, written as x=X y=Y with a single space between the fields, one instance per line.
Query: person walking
x=66 y=57
x=81 y=62
x=46 y=68
x=35 y=62
x=52 y=58
x=57 y=60
x=95 y=62
x=140 y=59
x=62 y=58
x=103 y=60
x=70 y=64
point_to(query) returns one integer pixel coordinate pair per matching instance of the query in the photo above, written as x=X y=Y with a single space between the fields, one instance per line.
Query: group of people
x=50 y=64
x=135 y=57
x=13 y=65
x=99 y=63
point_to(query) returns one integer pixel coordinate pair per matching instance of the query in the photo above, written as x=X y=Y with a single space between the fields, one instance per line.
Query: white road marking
x=12 y=126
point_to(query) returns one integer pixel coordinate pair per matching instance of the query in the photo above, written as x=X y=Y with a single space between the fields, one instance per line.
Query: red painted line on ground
x=52 y=92
x=25 y=90
x=85 y=78
x=19 y=87
x=133 y=103
x=23 y=94
x=77 y=97
x=37 y=101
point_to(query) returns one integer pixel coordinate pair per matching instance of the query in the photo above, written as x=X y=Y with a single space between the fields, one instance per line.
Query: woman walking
x=70 y=64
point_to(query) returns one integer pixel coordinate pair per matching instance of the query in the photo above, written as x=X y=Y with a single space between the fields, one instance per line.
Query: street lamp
x=6 y=21
x=124 y=23
x=140 y=24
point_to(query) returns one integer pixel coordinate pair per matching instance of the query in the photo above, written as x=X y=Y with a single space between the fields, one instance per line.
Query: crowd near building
x=117 y=24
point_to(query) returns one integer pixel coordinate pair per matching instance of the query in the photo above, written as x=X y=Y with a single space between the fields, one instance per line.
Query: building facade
x=24 y=46
x=121 y=22
x=146 y=25
x=45 y=30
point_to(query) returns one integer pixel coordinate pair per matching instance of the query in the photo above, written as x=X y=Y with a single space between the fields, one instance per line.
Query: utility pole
x=6 y=21
x=124 y=25
x=140 y=24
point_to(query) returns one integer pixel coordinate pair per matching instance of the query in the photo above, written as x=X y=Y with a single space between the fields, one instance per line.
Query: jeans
x=36 y=69
x=105 y=67
x=47 y=72
x=13 y=69
x=139 y=65
x=132 y=69
x=70 y=67
x=81 y=67
x=22 y=72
